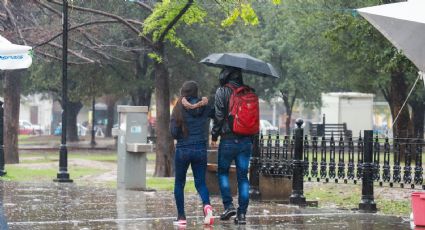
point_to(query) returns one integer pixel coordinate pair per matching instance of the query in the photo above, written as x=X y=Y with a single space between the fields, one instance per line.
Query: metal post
x=297 y=196
x=254 y=171
x=63 y=175
x=367 y=204
x=2 y=171
x=93 y=132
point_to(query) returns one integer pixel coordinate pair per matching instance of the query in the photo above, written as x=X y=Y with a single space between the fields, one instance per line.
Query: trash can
x=418 y=206
x=132 y=147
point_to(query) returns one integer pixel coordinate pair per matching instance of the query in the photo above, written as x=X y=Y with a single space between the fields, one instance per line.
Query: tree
x=94 y=42
x=159 y=25
x=376 y=59
x=12 y=15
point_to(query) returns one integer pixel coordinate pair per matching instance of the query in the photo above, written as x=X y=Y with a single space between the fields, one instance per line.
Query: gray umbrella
x=247 y=63
x=402 y=23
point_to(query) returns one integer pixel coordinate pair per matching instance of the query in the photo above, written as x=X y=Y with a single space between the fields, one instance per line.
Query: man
x=232 y=147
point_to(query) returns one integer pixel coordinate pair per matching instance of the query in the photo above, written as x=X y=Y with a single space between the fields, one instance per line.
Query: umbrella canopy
x=403 y=24
x=14 y=56
x=247 y=63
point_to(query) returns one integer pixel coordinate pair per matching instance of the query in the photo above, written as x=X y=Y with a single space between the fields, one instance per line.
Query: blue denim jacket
x=197 y=121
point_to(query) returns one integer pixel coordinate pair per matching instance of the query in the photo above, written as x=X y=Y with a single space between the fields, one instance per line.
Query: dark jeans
x=196 y=156
x=240 y=151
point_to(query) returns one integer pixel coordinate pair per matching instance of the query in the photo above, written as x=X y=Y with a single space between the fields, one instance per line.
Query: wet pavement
x=68 y=206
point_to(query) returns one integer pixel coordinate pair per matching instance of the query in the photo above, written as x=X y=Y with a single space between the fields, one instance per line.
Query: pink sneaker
x=180 y=222
x=208 y=213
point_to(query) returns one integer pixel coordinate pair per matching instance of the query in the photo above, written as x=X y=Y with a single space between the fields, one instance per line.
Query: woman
x=189 y=126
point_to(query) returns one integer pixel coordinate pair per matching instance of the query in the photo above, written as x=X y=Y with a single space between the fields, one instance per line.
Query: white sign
x=136 y=129
x=14 y=56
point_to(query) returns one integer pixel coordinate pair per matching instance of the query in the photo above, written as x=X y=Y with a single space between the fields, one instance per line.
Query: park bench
x=327 y=130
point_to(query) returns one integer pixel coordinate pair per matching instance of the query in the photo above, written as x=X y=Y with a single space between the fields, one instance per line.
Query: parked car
x=26 y=128
x=266 y=127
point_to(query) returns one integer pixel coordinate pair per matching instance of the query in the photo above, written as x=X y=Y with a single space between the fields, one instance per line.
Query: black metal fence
x=342 y=159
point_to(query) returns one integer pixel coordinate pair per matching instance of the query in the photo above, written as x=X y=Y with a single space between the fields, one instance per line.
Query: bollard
x=367 y=204
x=2 y=171
x=297 y=196
x=254 y=170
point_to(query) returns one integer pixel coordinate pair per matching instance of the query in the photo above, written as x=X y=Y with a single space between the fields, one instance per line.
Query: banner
x=14 y=56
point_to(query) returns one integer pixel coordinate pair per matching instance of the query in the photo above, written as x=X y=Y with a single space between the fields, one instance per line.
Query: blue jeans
x=196 y=156
x=240 y=151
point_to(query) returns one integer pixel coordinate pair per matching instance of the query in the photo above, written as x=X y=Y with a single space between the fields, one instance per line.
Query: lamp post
x=2 y=170
x=63 y=175
x=93 y=132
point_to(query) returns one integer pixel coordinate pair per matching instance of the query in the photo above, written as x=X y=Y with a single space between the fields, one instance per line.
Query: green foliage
x=248 y=15
x=231 y=18
x=245 y=12
x=155 y=56
x=164 y=13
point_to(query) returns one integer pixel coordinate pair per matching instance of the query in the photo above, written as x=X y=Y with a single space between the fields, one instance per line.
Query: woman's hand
x=201 y=103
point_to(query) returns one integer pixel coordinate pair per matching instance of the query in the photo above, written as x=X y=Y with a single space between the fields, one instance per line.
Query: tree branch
x=103 y=13
x=146 y=6
x=12 y=19
x=175 y=20
x=60 y=59
x=76 y=27
x=106 y=56
x=47 y=6
x=72 y=52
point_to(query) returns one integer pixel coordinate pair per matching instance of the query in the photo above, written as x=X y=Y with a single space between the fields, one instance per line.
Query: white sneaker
x=208 y=213
x=180 y=222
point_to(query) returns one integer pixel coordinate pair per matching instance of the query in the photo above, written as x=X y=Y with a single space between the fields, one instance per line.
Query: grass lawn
x=348 y=197
x=16 y=173
x=37 y=140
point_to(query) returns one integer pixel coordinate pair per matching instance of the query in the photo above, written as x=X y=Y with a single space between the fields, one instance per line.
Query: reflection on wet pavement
x=68 y=206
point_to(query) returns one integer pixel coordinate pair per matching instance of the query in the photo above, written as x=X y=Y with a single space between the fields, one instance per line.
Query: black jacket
x=221 y=105
x=197 y=121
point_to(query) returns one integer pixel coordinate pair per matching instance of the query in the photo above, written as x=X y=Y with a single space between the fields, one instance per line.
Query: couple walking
x=235 y=116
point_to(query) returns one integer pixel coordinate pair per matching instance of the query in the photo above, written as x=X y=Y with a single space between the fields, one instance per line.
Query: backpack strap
x=229 y=85
x=239 y=89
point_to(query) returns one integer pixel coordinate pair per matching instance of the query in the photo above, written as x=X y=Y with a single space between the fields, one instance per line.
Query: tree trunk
x=110 y=102
x=403 y=127
x=143 y=95
x=289 y=106
x=72 y=130
x=418 y=116
x=12 y=93
x=164 y=143
x=288 y=121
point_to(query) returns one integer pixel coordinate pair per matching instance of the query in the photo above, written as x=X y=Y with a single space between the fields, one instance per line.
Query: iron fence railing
x=345 y=159
x=394 y=161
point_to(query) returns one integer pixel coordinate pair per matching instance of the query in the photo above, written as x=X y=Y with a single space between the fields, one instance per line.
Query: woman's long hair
x=189 y=89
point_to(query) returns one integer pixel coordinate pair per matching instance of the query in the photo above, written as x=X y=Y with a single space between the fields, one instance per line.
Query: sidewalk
x=68 y=206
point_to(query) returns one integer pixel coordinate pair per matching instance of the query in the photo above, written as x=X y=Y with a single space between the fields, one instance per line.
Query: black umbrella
x=247 y=63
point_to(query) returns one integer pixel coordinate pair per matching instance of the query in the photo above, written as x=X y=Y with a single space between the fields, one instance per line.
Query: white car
x=34 y=129
x=266 y=127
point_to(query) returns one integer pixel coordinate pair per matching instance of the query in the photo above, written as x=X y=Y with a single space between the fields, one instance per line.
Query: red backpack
x=244 y=111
